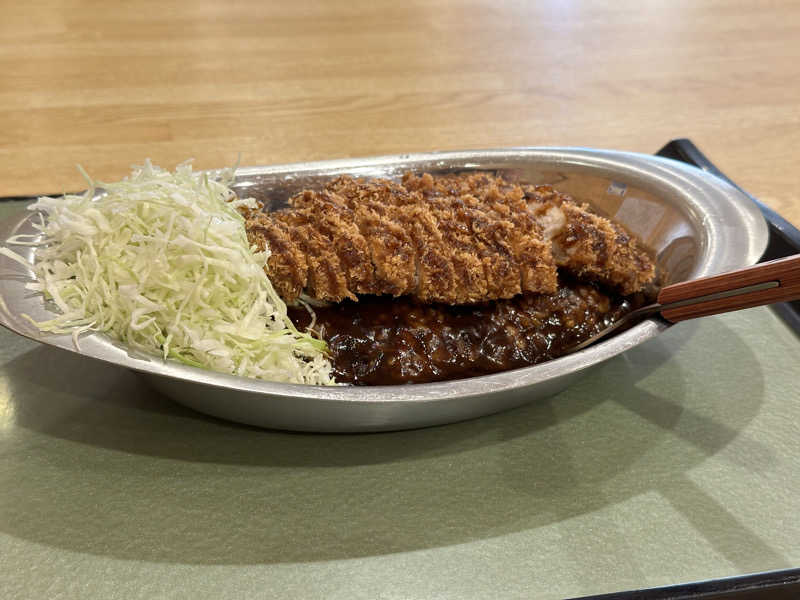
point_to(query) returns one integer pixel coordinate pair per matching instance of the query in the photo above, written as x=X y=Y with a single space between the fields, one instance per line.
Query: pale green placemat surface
x=677 y=461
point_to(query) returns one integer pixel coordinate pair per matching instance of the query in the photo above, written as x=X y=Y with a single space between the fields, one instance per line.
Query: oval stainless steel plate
x=696 y=224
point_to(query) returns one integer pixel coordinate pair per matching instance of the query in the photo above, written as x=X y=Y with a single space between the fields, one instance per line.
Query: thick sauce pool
x=382 y=340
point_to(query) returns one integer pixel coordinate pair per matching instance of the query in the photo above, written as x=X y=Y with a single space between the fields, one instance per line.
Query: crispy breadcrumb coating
x=453 y=239
x=588 y=246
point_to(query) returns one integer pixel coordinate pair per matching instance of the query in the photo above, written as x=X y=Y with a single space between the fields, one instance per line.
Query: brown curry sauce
x=382 y=340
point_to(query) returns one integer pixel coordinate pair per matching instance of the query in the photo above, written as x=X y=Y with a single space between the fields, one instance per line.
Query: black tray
x=777 y=585
x=784 y=239
x=772 y=585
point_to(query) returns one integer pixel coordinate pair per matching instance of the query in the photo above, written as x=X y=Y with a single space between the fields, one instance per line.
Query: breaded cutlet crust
x=454 y=239
x=591 y=247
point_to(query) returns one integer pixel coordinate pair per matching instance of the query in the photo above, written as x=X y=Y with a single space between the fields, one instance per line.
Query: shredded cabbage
x=161 y=262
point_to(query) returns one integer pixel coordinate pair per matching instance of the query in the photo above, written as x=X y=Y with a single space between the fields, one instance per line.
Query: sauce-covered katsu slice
x=451 y=239
x=444 y=277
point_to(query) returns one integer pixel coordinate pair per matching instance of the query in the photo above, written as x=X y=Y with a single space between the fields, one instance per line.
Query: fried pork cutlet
x=588 y=246
x=453 y=239
x=378 y=237
x=584 y=244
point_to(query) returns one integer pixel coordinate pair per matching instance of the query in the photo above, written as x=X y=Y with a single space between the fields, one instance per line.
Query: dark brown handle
x=736 y=287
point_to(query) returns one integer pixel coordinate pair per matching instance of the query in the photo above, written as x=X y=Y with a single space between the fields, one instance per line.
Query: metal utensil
x=696 y=224
x=765 y=283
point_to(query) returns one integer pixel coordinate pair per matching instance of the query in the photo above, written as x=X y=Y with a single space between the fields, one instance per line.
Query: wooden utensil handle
x=784 y=271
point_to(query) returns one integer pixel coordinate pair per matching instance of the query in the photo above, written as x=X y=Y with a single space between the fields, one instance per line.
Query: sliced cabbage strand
x=161 y=262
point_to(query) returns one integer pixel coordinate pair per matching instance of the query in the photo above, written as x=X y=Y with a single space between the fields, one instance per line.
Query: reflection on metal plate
x=695 y=224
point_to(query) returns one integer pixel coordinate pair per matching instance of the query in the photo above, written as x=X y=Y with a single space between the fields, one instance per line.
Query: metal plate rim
x=668 y=174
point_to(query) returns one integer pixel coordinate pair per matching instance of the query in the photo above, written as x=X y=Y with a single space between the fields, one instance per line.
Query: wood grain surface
x=107 y=84
x=784 y=271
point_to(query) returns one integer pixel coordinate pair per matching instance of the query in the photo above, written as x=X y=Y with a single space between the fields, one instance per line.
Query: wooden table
x=108 y=84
